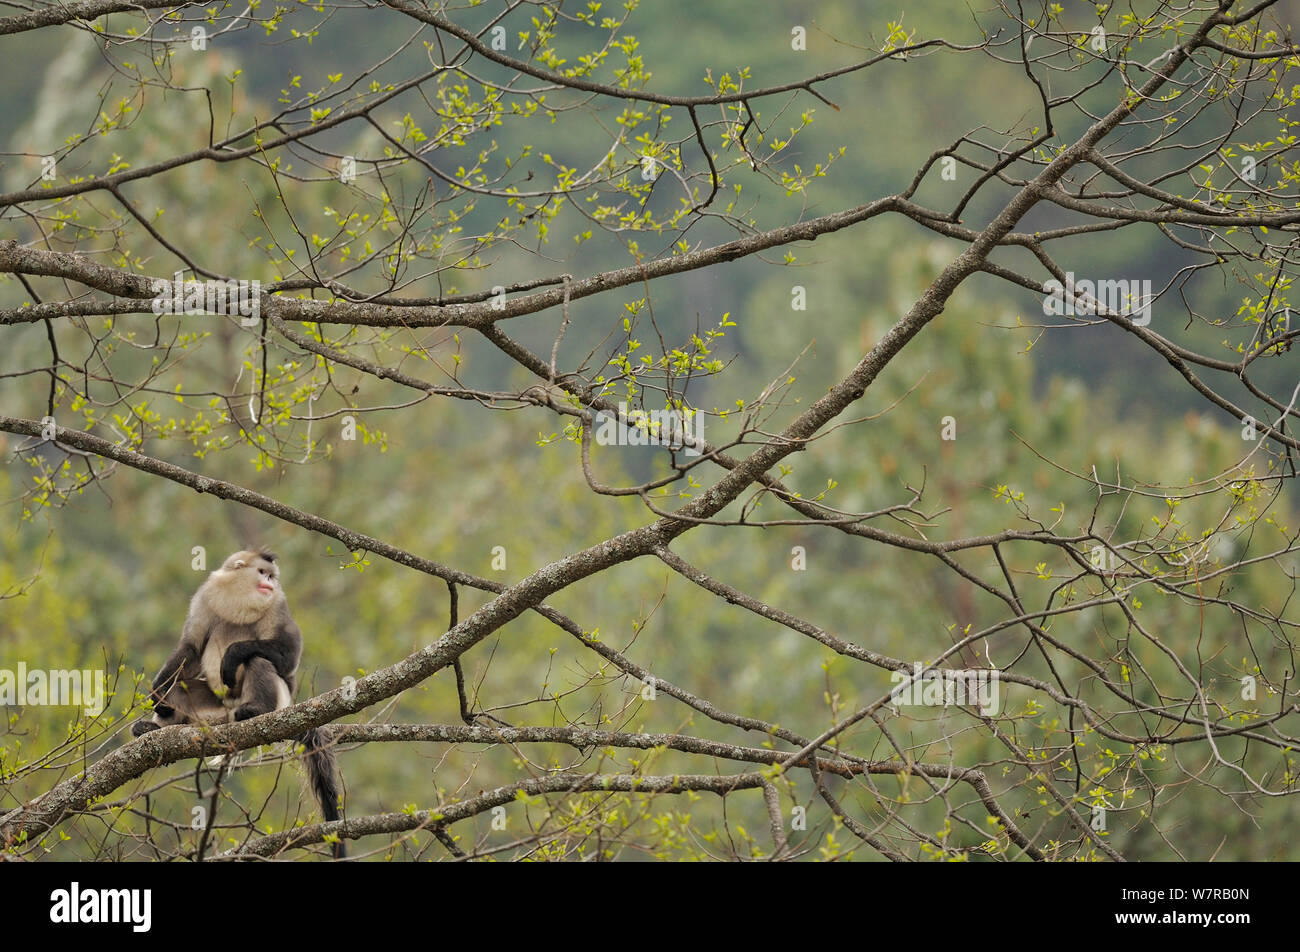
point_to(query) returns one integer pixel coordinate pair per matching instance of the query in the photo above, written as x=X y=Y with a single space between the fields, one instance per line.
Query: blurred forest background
x=107 y=577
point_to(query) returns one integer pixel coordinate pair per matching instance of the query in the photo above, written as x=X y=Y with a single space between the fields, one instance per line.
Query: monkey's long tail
x=323 y=775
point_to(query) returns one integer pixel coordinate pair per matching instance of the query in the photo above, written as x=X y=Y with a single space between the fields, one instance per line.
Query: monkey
x=238 y=658
x=238 y=616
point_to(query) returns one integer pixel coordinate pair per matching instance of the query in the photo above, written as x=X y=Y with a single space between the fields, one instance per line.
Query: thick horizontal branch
x=59 y=13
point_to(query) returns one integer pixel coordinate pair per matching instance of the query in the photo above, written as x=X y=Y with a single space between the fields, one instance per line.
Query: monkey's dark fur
x=240 y=637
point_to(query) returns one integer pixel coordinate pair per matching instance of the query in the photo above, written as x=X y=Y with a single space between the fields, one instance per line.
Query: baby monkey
x=238 y=658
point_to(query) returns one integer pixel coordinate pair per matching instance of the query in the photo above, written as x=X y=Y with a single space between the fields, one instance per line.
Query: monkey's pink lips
x=266 y=589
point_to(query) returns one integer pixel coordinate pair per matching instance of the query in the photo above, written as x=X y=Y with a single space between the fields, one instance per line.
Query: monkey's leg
x=188 y=702
x=199 y=705
x=262 y=690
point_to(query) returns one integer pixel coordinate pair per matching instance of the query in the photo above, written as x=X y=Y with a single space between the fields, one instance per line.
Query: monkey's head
x=245 y=587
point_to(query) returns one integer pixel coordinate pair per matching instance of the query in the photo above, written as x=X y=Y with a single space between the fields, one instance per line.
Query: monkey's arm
x=183 y=663
x=180 y=665
x=283 y=651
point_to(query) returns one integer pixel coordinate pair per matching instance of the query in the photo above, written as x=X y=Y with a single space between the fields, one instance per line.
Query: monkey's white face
x=251 y=575
x=265 y=581
x=245 y=588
